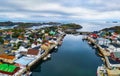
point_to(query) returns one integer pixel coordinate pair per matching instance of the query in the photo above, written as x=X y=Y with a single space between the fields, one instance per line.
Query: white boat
x=95 y=46
x=45 y=58
x=56 y=47
x=49 y=55
x=89 y=42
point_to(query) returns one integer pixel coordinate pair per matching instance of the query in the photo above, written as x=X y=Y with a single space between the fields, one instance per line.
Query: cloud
x=60 y=9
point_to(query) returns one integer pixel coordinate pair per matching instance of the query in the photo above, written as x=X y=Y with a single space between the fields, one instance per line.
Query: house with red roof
x=32 y=52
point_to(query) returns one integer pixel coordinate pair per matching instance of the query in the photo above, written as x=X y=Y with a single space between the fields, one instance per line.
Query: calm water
x=97 y=25
x=73 y=58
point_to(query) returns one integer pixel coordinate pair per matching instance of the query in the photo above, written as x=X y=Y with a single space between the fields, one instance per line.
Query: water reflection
x=73 y=58
x=37 y=67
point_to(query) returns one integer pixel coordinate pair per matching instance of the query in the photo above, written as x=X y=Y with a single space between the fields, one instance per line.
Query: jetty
x=40 y=57
x=27 y=50
x=104 y=47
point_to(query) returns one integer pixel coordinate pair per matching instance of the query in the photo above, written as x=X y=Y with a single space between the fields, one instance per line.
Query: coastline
x=65 y=28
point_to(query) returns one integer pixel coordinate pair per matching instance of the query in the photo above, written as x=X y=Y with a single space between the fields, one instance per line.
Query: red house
x=94 y=35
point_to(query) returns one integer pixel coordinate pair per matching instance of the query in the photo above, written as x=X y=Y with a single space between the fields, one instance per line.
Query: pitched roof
x=33 y=51
x=115 y=45
x=7 y=56
x=24 y=60
x=10 y=32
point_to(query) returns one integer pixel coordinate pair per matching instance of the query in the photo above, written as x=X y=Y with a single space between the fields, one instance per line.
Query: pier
x=29 y=51
x=109 y=67
x=40 y=57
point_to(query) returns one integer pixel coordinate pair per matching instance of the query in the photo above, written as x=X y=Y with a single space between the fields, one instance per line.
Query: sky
x=58 y=10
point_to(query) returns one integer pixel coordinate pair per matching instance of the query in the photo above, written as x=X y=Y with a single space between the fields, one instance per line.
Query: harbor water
x=74 y=58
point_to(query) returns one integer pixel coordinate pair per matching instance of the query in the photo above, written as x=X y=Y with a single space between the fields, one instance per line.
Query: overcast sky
x=38 y=10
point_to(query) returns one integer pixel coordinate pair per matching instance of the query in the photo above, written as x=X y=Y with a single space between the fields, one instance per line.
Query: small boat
x=95 y=46
x=89 y=42
x=45 y=58
x=49 y=55
x=29 y=74
x=56 y=47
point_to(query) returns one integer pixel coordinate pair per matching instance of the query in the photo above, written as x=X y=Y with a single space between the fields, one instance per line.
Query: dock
x=101 y=50
x=40 y=57
x=105 y=54
x=29 y=50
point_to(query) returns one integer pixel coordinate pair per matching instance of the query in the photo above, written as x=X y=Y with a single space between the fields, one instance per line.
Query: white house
x=103 y=41
x=21 y=48
x=114 y=48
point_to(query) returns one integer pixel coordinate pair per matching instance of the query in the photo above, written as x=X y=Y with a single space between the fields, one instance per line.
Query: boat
x=49 y=55
x=89 y=42
x=45 y=58
x=56 y=47
x=95 y=46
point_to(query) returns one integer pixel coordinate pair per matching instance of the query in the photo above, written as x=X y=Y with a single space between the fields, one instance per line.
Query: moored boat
x=49 y=55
